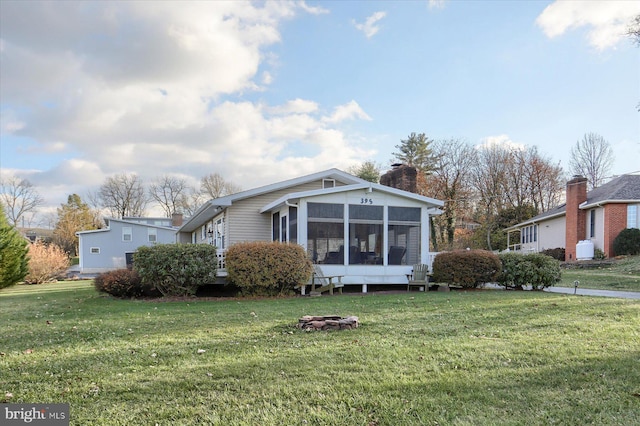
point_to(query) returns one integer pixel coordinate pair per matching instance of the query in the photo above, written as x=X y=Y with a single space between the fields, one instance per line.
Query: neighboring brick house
x=597 y=216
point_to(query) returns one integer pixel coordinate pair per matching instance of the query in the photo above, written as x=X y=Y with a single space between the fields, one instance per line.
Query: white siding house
x=365 y=232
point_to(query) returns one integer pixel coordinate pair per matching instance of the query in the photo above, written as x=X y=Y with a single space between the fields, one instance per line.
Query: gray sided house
x=112 y=248
x=594 y=218
x=364 y=232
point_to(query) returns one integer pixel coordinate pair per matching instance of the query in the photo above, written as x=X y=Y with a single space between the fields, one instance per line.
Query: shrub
x=46 y=263
x=123 y=283
x=13 y=254
x=627 y=242
x=557 y=253
x=598 y=254
x=176 y=269
x=467 y=268
x=535 y=269
x=267 y=268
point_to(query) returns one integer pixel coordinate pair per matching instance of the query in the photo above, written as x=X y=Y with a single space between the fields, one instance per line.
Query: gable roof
x=378 y=187
x=213 y=207
x=216 y=205
x=622 y=189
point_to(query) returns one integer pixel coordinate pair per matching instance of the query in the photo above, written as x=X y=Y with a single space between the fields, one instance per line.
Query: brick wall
x=401 y=177
x=615 y=220
x=576 y=219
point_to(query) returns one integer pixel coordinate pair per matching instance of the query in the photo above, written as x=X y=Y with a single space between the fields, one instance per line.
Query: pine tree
x=14 y=263
x=415 y=152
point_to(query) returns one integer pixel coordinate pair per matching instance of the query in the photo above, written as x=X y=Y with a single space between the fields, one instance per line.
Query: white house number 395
x=366 y=200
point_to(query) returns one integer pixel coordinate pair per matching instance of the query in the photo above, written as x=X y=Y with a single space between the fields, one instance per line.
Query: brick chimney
x=401 y=177
x=176 y=220
x=576 y=219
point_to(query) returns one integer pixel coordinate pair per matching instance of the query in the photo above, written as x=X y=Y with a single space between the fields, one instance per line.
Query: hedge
x=466 y=268
x=176 y=269
x=267 y=268
x=533 y=269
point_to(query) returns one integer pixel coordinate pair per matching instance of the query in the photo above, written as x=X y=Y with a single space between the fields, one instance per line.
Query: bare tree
x=546 y=181
x=451 y=182
x=634 y=30
x=19 y=198
x=171 y=193
x=490 y=178
x=215 y=186
x=123 y=195
x=592 y=157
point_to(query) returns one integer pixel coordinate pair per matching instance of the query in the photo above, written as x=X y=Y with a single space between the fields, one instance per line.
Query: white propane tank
x=584 y=250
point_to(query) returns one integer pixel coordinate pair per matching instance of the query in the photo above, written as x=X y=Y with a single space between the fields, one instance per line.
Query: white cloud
x=348 y=111
x=607 y=21
x=312 y=10
x=370 y=27
x=124 y=87
x=499 y=141
x=437 y=4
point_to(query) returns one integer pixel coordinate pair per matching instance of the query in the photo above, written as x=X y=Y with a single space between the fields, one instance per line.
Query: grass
x=623 y=275
x=459 y=358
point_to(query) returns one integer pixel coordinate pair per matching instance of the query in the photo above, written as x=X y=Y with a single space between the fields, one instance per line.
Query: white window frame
x=127 y=230
x=633 y=219
x=218 y=233
x=328 y=183
x=152 y=235
x=94 y=250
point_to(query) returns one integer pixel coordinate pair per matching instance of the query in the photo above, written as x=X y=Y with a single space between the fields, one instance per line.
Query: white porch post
x=424 y=236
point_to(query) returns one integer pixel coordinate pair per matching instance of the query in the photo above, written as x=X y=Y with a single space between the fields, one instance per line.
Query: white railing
x=221 y=259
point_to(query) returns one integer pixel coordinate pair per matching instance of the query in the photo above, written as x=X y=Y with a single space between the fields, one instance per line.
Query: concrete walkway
x=590 y=292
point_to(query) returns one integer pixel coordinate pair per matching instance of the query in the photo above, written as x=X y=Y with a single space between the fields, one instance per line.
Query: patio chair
x=395 y=255
x=419 y=278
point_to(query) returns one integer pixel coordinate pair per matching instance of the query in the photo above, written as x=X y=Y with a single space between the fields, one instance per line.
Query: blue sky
x=261 y=92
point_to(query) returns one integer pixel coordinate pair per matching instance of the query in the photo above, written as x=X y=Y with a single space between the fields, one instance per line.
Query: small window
x=328 y=183
x=632 y=216
x=592 y=223
x=127 y=233
x=152 y=235
x=94 y=250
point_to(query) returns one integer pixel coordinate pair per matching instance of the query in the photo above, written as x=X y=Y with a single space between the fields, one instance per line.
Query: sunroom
x=364 y=234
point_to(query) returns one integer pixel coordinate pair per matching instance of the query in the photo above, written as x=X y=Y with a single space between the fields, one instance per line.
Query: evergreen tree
x=369 y=171
x=14 y=263
x=415 y=151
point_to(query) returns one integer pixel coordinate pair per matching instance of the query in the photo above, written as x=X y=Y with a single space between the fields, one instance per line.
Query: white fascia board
x=585 y=206
x=361 y=186
x=406 y=194
x=92 y=231
x=204 y=213
x=311 y=193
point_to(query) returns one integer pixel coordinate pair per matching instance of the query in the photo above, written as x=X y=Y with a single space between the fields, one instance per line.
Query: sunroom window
x=325 y=232
x=365 y=234
x=403 y=246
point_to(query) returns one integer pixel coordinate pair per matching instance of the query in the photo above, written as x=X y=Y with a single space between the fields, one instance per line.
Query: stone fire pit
x=327 y=322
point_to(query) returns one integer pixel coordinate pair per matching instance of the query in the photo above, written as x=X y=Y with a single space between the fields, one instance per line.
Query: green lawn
x=459 y=358
x=623 y=275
